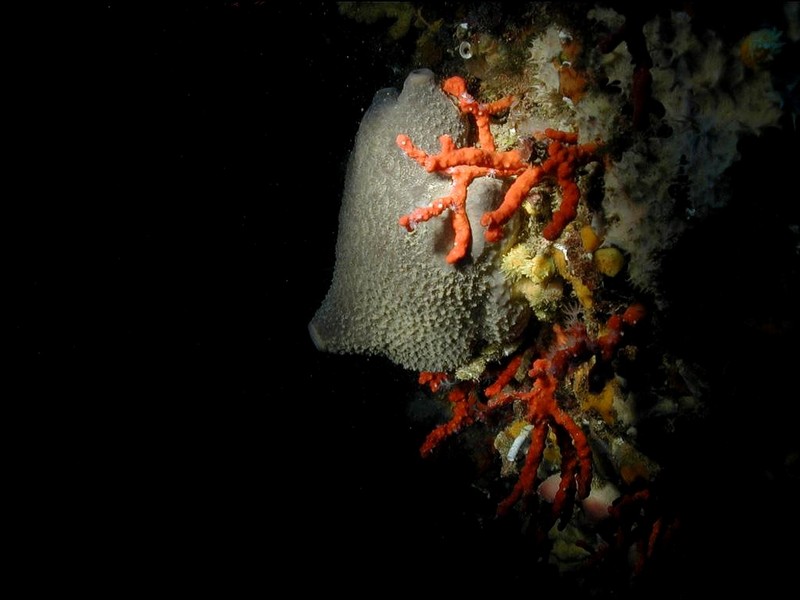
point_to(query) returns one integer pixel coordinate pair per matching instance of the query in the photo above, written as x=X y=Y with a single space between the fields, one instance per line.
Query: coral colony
x=465 y=164
x=525 y=233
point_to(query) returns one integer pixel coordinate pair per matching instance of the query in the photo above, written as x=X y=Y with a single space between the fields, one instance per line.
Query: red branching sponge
x=570 y=347
x=464 y=165
x=433 y=379
x=465 y=409
x=543 y=412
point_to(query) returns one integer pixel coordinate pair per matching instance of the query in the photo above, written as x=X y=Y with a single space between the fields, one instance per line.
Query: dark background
x=183 y=166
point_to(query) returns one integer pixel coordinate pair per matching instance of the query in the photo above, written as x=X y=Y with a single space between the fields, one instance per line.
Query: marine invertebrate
x=465 y=164
x=537 y=402
x=570 y=400
x=630 y=34
x=544 y=415
x=642 y=526
x=691 y=100
x=444 y=316
x=465 y=410
x=760 y=47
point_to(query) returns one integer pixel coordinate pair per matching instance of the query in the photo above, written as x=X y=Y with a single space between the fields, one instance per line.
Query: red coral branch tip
x=545 y=415
x=463 y=407
x=633 y=314
x=505 y=377
x=433 y=379
x=615 y=329
x=456 y=86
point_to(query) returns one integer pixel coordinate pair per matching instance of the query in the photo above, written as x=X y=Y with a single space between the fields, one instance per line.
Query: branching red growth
x=465 y=409
x=464 y=165
x=505 y=377
x=433 y=379
x=563 y=157
x=570 y=347
x=642 y=527
x=614 y=330
x=632 y=34
x=542 y=411
x=456 y=86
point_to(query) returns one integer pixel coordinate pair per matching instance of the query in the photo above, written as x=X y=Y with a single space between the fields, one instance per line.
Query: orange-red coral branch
x=570 y=346
x=465 y=409
x=564 y=156
x=466 y=164
x=456 y=86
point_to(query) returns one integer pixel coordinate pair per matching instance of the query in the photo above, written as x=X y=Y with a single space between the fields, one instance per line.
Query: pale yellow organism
x=603 y=401
x=582 y=291
x=514 y=262
x=589 y=239
x=609 y=261
x=519 y=262
x=544 y=298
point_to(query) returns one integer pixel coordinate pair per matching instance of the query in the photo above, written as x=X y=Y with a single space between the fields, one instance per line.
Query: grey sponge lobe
x=393 y=294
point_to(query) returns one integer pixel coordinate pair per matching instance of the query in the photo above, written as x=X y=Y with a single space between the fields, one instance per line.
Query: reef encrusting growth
x=517 y=263
x=393 y=294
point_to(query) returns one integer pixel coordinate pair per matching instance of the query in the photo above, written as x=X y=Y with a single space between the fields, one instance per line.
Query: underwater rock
x=393 y=294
